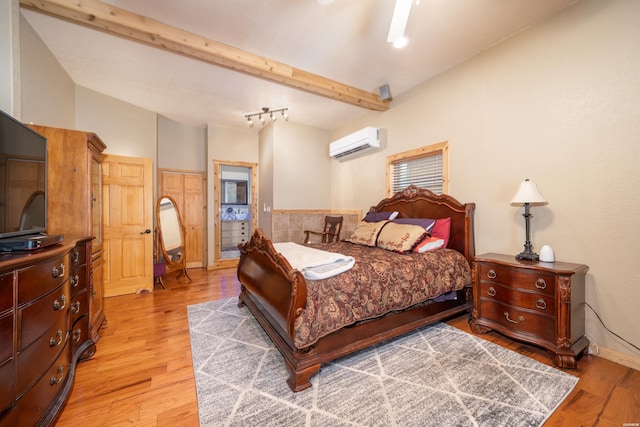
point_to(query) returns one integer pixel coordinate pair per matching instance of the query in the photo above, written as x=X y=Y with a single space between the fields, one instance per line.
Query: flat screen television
x=23 y=179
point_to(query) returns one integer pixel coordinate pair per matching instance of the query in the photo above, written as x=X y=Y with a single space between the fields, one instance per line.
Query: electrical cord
x=609 y=330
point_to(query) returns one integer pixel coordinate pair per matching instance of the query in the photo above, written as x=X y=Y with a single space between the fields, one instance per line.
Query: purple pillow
x=379 y=216
x=425 y=223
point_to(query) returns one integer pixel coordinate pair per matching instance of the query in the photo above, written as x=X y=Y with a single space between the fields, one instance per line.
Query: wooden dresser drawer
x=79 y=332
x=79 y=305
x=39 y=279
x=6 y=384
x=35 y=319
x=78 y=256
x=77 y=280
x=6 y=291
x=6 y=337
x=34 y=404
x=539 y=302
x=36 y=358
x=520 y=321
x=518 y=278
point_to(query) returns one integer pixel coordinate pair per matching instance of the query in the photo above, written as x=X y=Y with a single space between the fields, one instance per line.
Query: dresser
x=234 y=233
x=44 y=325
x=536 y=302
x=74 y=205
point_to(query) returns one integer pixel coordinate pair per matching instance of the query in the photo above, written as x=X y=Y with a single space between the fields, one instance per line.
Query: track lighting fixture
x=284 y=111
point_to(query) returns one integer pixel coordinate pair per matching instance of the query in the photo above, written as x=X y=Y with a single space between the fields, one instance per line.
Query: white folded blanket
x=314 y=264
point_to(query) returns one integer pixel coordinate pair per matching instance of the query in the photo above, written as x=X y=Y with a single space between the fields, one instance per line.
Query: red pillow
x=441 y=229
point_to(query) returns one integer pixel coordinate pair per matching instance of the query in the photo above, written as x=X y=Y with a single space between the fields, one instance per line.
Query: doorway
x=236 y=201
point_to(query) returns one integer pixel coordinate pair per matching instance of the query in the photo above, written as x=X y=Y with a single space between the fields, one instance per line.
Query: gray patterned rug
x=436 y=376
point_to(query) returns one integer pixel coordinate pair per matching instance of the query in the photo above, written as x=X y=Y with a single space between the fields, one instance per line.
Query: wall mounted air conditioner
x=363 y=139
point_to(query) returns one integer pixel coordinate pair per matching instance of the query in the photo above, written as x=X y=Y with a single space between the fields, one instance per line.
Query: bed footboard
x=270 y=281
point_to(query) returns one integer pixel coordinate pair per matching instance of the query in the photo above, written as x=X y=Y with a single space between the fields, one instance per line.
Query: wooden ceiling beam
x=120 y=22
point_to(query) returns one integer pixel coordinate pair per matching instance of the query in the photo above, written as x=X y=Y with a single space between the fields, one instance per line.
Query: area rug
x=435 y=376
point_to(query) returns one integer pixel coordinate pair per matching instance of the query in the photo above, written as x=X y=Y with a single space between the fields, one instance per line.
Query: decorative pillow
x=379 y=216
x=429 y=244
x=366 y=233
x=400 y=237
x=425 y=223
x=441 y=229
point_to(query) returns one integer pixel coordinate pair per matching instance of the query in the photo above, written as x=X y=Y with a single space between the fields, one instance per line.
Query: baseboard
x=622 y=358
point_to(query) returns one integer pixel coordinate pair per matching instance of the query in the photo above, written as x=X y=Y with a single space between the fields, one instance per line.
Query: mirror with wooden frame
x=171 y=236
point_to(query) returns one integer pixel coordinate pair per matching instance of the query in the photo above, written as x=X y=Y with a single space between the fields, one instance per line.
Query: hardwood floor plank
x=142 y=373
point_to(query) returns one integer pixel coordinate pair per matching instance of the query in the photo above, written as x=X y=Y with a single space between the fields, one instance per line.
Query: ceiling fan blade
x=399 y=20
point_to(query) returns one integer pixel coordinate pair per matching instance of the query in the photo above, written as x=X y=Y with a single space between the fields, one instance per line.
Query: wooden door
x=188 y=190
x=127 y=223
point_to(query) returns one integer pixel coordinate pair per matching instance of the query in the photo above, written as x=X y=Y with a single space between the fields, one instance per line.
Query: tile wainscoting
x=289 y=225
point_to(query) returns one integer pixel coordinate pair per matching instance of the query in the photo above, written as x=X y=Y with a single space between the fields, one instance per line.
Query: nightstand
x=540 y=303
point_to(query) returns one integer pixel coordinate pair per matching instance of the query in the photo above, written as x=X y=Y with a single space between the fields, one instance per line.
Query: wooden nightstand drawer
x=541 y=303
x=520 y=321
x=523 y=279
x=536 y=302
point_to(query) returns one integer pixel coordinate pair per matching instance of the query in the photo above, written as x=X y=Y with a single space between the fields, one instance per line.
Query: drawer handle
x=74 y=281
x=57 y=271
x=75 y=307
x=56 y=303
x=520 y=319
x=58 y=379
x=491 y=292
x=75 y=256
x=491 y=274
x=541 y=304
x=540 y=283
x=77 y=334
x=53 y=342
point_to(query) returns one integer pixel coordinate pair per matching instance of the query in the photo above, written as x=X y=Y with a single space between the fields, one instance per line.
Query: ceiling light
x=267 y=111
x=400 y=43
x=399 y=22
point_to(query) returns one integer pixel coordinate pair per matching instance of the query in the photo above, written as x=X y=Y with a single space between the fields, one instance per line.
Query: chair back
x=332 y=229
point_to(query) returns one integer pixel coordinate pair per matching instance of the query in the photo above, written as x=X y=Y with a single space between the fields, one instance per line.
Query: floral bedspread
x=381 y=281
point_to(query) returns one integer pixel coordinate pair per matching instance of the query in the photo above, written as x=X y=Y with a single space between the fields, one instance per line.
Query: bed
x=282 y=300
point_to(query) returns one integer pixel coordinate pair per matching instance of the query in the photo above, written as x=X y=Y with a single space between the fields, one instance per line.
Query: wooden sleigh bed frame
x=276 y=294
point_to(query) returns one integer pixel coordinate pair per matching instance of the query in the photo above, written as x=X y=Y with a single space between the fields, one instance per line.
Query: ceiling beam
x=120 y=22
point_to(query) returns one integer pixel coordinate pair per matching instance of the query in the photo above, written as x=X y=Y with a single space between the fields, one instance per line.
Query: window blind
x=423 y=172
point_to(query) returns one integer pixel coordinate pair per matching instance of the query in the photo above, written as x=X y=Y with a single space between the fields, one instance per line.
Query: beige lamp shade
x=528 y=193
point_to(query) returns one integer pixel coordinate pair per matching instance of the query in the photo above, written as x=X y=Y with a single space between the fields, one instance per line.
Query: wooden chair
x=331 y=231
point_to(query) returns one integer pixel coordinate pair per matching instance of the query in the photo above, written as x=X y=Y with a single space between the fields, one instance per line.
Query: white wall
x=558 y=104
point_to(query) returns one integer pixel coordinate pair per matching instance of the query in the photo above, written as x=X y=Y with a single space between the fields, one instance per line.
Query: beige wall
x=301 y=167
x=10 y=54
x=47 y=92
x=181 y=146
x=558 y=104
x=225 y=144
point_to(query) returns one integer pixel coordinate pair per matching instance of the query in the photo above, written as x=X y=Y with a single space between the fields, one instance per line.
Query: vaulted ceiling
x=212 y=61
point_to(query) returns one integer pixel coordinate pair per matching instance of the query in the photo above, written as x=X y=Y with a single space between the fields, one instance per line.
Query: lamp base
x=532 y=256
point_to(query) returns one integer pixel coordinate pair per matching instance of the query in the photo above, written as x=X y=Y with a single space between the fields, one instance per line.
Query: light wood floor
x=141 y=374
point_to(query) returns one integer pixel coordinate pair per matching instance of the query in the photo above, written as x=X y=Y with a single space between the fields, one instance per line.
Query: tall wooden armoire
x=74 y=201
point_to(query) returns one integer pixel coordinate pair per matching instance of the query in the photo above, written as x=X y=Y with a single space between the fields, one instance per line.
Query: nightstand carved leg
x=475 y=328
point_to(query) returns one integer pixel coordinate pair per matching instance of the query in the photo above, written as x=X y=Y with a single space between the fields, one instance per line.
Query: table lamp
x=527 y=195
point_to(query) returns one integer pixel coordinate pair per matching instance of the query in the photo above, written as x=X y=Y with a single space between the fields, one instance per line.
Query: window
x=425 y=167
